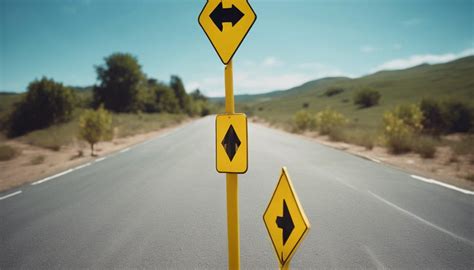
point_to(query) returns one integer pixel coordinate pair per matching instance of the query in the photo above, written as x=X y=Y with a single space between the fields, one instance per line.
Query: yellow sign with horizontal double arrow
x=285 y=220
x=231 y=143
x=226 y=23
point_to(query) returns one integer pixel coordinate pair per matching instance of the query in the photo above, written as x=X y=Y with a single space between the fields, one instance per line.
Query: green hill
x=453 y=80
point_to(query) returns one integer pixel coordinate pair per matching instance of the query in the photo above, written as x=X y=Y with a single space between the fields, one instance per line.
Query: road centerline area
x=408 y=213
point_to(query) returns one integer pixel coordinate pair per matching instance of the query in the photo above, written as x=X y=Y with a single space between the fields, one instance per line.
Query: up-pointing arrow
x=221 y=15
x=285 y=222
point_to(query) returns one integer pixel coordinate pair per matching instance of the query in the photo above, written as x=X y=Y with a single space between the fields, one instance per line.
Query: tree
x=367 y=98
x=120 y=80
x=180 y=92
x=197 y=95
x=46 y=102
x=95 y=126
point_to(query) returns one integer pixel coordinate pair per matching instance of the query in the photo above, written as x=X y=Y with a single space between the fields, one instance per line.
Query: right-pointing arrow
x=285 y=222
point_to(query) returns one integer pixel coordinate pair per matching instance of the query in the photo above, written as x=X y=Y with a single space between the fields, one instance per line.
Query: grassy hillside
x=453 y=80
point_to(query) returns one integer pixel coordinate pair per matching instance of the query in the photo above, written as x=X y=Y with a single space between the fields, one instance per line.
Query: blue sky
x=291 y=42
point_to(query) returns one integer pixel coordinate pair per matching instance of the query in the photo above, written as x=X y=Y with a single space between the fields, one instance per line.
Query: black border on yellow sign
x=284 y=171
x=246 y=141
x=232 y=56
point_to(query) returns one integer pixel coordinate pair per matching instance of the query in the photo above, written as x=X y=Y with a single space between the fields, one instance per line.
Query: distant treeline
x=122 y=88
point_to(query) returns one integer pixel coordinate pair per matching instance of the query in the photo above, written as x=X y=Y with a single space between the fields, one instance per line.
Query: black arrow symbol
x=221 y=15
x=285 y=222
x=231 y=142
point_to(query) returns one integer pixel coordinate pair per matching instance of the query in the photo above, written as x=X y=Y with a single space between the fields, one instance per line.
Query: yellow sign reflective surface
x=285 y=219
x=226 y=23
x=231 y=143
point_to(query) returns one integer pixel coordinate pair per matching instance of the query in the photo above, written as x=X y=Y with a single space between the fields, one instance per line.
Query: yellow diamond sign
x=231 y=143
x=226 y=23
x=285 y=219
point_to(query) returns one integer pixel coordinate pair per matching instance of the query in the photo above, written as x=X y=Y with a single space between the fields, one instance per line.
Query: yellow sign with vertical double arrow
x=285 y=220
x=226 y=23
x=231 y=143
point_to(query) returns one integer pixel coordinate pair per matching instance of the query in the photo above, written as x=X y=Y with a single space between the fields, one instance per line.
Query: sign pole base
x=233 y=220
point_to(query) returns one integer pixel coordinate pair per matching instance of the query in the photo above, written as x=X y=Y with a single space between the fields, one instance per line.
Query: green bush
x=46 y=102
x=367 y=98
x=411 y=115
x=397 y=134
x=95 y=126
x=329 y=120
x=303 y=120
x=8 y=152
x=433 y=116
x=333 y=91
x=447 y=117
x=425 y=146
x=459 y=116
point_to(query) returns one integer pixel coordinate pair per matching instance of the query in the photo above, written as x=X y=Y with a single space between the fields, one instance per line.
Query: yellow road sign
x=285 y=219
x=231 y=143
x=226 y=23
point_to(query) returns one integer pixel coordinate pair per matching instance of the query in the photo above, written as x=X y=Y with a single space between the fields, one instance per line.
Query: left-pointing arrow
x=286 y=223
x=221 y=15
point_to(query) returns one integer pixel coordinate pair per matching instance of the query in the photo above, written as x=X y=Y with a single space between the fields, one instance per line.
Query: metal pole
x=232 y=187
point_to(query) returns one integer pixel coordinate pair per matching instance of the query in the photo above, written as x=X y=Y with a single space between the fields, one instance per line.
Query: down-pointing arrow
x=285 y=222
x=221 y=15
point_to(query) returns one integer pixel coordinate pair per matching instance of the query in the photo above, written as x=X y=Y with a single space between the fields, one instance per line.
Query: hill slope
x=451 y=80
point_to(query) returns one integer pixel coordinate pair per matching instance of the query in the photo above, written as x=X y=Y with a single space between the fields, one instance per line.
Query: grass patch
x=365 y=138
x=54 y=137
x=8 y=152
x=124 y=124
x=132 y=124
x=36 y=160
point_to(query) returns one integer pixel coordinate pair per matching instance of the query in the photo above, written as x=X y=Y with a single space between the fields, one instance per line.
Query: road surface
x=161 y=205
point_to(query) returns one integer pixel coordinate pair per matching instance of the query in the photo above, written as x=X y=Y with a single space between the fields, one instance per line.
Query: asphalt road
x=161 y=205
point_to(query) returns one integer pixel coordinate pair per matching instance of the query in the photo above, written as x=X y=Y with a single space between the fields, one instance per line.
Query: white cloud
x=416 y=60
x=257 y=77
x=368 y=49
x=271 y=62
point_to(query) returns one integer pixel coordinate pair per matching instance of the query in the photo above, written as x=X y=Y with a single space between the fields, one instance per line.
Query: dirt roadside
x=36 y=163
x=440 y=168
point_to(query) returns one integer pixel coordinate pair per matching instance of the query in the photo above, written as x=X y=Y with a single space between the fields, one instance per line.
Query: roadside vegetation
x=125 y=102
x=427 y=110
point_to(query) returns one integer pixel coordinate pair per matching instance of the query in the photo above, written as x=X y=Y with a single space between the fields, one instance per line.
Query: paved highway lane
x=161 y=205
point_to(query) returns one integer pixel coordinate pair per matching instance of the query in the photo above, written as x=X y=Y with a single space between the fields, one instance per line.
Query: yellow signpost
x=226 y=23
x=231 y=143
x=285 y=220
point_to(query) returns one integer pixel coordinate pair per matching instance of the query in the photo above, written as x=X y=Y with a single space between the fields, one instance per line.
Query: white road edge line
x=125 y=150
x=467 y=241
x=51 y=177
x=10 y=195
x=100 y=159
x=432 y=181
x=82 y=166
x=375 y=160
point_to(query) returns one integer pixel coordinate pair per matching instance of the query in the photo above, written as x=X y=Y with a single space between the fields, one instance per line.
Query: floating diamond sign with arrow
x=226 y=23
x=231 y=143
x=285 y=219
